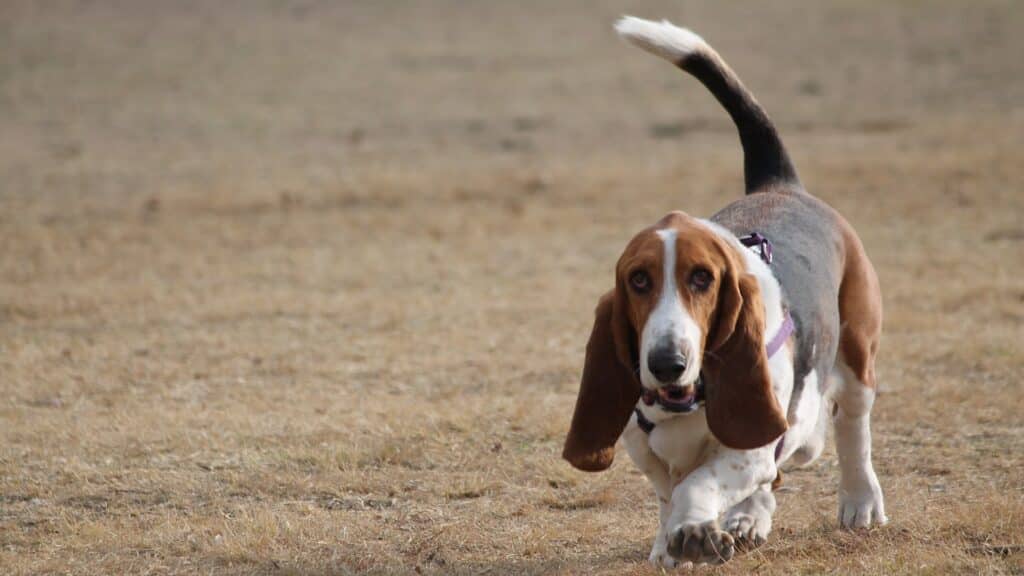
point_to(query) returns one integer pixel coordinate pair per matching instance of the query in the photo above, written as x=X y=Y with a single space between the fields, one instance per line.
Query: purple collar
x=763 y=245
x=757 y=242
x=785 y=331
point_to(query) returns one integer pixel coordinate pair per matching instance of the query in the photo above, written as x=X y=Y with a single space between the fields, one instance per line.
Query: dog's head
x=683 y=304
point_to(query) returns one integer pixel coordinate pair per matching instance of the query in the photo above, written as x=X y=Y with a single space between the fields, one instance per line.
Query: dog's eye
x=701 y=279
x=640 y=281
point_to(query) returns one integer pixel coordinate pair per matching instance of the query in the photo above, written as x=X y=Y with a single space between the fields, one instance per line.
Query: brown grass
x=301 y=288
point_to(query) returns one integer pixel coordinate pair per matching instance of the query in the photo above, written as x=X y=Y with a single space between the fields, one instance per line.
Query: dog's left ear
x=742 y=410
x=608 y=389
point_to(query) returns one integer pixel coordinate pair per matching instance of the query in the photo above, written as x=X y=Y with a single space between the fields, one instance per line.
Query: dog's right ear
x=608 y=391
x=742 y=410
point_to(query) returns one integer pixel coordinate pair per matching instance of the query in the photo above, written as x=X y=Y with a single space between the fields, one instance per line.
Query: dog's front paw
x=660 y=558
x=749 y=530
x=750 y=521
x=701 y=543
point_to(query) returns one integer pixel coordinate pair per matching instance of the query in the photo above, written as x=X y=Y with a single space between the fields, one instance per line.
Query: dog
x=728 y=343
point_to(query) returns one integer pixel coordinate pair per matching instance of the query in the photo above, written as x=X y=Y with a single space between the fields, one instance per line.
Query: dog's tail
x=765 y=161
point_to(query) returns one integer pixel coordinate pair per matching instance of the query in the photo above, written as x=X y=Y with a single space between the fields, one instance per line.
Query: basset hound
x=728 y=343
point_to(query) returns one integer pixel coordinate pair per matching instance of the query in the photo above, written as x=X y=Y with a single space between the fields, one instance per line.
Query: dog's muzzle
x=676 y=398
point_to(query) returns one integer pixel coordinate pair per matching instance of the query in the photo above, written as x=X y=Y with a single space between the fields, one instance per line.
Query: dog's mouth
x=674 y=398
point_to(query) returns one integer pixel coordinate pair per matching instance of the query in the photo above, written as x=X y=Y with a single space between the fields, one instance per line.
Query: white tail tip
x=660 y=38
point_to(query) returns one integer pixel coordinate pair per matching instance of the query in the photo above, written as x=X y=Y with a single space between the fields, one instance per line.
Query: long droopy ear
x=742 y=410
x=608 y=390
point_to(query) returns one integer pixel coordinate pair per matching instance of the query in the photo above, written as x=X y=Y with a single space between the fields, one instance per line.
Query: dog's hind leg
x=860 y=496
x=853 y=390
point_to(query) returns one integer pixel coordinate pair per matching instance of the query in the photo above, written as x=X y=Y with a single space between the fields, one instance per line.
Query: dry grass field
x=303 y=287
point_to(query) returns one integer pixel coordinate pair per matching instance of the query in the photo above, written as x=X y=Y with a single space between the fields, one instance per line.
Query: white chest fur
x=681 y=442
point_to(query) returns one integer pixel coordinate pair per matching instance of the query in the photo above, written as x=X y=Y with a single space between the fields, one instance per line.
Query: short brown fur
x=860 y=308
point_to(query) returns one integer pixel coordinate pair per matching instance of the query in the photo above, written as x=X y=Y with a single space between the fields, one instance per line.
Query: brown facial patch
x=644 y=254
x=701 y=260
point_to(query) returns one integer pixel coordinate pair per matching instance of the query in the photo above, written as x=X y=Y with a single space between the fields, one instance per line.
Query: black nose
x=666 y=364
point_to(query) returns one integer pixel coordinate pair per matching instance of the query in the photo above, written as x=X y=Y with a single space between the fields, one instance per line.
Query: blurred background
x=303 y=287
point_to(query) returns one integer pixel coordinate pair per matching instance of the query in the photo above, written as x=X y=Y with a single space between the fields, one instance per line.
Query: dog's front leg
x=636 y=442
x=726 y=478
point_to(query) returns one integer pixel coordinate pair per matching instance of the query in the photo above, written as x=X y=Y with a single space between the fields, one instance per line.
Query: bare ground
x=303 y=288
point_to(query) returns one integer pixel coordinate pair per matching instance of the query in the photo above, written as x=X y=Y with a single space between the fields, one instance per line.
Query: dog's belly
x=682 y=443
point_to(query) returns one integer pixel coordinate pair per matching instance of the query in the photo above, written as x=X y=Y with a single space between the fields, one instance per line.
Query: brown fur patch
x=860 y=308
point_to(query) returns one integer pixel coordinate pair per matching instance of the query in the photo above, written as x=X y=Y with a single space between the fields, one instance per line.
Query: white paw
x=750 y=521
x=701 y=543
x=862 y=506
x=660 y=558
x=749 y=529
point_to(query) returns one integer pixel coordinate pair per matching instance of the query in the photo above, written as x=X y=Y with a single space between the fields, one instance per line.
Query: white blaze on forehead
x=670 y=322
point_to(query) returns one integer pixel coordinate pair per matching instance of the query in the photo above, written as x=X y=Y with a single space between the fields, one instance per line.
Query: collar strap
x=763 y=245
x=785 y=331
x=646 y=425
